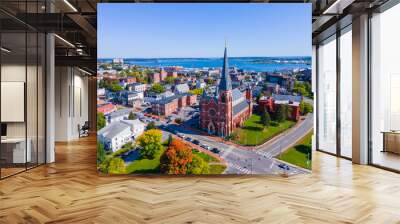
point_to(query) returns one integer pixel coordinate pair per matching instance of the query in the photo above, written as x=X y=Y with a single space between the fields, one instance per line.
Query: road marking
x=241 y=169
x=226 y=151
x=264 y=154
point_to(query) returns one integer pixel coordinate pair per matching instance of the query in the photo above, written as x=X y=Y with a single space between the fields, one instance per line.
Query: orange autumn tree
x=176 y=158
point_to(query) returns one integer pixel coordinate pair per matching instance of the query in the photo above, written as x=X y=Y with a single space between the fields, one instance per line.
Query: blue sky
x=154 y=30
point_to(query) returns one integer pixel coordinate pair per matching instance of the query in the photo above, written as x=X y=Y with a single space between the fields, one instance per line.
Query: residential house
x=117 y=134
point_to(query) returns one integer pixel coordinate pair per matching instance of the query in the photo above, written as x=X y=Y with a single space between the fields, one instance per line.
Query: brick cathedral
x=225 y=109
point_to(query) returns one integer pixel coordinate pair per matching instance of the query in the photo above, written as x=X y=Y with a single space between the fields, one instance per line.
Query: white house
x=137 y=87
x=129 y=97
x=137 y=127
x=101 y=91
x=118 y=133
x=115 y=135
x=200 y=84
x=181 y=88
x=118 y=115
x=153 y=97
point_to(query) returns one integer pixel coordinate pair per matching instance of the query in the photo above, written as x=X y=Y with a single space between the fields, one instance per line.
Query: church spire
x=225 y=83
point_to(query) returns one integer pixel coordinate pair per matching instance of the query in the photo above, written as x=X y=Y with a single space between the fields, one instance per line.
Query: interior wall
x=15 y=73
x=71 y=102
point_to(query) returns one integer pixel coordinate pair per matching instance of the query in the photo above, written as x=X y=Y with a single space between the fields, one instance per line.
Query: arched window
x=223 y=98
x=212 y=112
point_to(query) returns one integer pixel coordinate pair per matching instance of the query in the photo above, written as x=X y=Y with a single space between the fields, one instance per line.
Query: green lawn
x=300 y=154
x=213 y=168
x=207 y=158
x=152 y=166
x=253 y=132
x=217 y=168
x=146 y=165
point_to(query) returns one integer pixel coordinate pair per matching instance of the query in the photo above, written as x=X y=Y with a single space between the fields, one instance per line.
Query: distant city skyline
x=199 y=30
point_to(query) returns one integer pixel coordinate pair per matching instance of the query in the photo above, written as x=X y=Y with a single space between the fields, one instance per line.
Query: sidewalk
x=198 y=148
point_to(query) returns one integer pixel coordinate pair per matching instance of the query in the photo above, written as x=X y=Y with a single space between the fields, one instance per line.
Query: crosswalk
x=241 y=169
x=265 y=154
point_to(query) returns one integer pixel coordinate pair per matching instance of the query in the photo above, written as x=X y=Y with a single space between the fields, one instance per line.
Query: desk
x=391 y=141
x=13 y=150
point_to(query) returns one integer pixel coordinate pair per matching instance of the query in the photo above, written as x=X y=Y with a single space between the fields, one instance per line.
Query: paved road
x=259 y=161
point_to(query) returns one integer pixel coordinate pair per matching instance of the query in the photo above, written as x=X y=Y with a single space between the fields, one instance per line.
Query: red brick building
x=270 y=103
x=163 y=75
x=172 y=74
x=227 y=108
x=130 y=80
x=155 y=77
x=171 y=104
x=106 y=108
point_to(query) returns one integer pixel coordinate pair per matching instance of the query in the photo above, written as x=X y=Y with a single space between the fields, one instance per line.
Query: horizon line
x=203 y=57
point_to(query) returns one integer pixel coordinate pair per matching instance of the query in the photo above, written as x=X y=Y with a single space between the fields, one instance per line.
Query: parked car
x=284 y=166
x=205 y=147
x=215 y=150
x=196 y=142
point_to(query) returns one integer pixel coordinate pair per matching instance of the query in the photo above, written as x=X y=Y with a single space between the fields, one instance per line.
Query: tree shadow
x=305 y=149
x=252 y=128
x=146 y=171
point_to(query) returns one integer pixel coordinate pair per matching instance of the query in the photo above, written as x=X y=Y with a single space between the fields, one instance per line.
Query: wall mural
x=204 y=89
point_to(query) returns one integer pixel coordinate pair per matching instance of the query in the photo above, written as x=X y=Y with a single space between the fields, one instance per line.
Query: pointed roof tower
x=225 y=83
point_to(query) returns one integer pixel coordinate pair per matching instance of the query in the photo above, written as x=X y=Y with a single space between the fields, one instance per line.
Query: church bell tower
x=225 y=125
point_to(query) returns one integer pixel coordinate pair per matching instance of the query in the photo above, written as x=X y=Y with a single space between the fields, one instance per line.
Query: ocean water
x=258 y=64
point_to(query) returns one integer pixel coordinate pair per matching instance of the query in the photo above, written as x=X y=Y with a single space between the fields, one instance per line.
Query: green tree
x=116 y=87
x=116 y=166
x=169 y=139
x=289 y=112
x=150 y=142
x=305 y=108
x=210 y=81
x=151 y=125
x=197 y=91
x=303 y=88
x=104 y=66
x=157 y=88
x=101 y=153
x=103 y=167
x=124 y=149
x=101 y=120
x=131 y=116
x=265 y=119
x=142 y=78
x=170 y=80
x=280 y=113
x=198 y=166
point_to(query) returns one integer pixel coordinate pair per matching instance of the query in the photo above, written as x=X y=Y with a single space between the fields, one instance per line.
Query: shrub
x=274 y=123
x=198 y=166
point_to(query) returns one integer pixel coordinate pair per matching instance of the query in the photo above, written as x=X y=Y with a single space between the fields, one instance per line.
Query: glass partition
x=22 y=88
x=327 y=96
x=13 y=86
x=385 y=89
x=346 y=92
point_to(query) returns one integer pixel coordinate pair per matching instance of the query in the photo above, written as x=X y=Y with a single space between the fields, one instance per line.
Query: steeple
x=225 y=82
